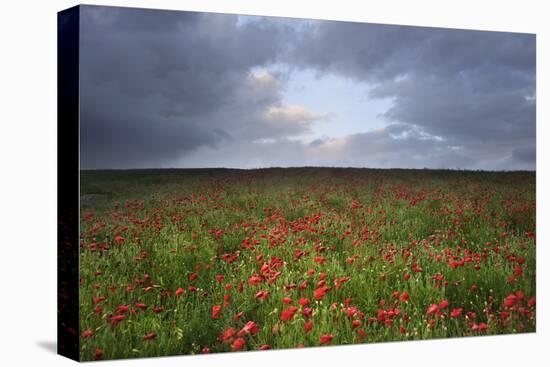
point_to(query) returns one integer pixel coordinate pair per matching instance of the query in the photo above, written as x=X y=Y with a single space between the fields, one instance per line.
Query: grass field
x=213 y=260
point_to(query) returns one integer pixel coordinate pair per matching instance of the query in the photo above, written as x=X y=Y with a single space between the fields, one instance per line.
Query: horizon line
x=302 y=167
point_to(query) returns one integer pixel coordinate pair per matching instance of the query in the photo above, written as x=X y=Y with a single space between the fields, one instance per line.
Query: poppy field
x=216 y=260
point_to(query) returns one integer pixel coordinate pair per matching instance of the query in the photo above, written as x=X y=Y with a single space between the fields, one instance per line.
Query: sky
x=172 y=89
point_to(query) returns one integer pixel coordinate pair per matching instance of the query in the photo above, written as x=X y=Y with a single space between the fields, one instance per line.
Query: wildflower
x=98 y=299
x=288 y=313
x=510 y=301
x=227 y=335
x=216 y=309
x=456 y=313
x=149 y=336
x=262 y=295
x=238 y=344
x=87 y=333
x=432 y=309
x=249 y=327
x=308 y=326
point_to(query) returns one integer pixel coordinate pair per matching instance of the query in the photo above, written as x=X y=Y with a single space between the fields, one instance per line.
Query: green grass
x=183 y=222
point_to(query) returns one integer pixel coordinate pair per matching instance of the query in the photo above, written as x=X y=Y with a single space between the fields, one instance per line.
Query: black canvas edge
x=68 y=182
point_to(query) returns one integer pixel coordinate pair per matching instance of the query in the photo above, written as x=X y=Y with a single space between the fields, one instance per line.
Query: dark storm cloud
x=157 y=84
x=473 y=89
x=526 y=153
x=162 y=88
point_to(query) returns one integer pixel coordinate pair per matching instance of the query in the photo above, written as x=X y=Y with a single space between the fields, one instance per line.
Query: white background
x=28 y=182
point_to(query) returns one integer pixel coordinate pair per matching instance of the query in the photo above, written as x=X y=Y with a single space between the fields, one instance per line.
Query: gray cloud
x=525 y=153
x=158 y=84
x=473 y=89
x=162 y=88
x=378 y=149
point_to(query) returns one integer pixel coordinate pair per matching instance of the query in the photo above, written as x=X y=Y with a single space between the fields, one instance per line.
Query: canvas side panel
x=68 y=182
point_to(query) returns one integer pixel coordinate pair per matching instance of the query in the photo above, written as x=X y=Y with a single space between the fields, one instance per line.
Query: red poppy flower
x=216 y=311
x=308 y=326
x=149 y=336
x=265 y=347
x=255 y=280
x=98 y=299
x=510 y=301
x=432 y=309
x=303 y=302
x=482 y=327
x=287 y=300
x=355 y=324
x=404 y=297
x=87 y=333
x=98 y=354
x=142 y=306
x=319 y=293
x=219 y=278
x=319 y=260
x=262 y=295
x=288 y=313
x=180 y=291
x=205 y=350
x=325 y=339
x=116 y=319
x=456 y=313
x=227 y=335
x=249 y=327
x=307 y=311
x=444 y=304
x=238 y=344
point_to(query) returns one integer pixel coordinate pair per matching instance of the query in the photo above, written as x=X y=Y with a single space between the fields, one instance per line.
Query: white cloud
x=292 y=113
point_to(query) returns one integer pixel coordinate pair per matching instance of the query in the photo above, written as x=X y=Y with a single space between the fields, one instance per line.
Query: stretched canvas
x=234 y=183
